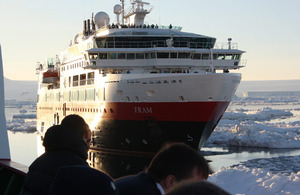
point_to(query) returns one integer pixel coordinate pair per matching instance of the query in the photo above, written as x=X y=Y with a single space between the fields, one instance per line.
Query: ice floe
x=255 y=181
x=254 y=134
x=264 y=114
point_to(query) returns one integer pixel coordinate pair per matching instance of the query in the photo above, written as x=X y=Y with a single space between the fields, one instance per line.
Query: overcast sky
x=268 y=30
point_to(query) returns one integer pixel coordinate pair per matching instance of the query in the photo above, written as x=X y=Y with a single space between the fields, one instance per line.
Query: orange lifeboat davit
x=50 y=76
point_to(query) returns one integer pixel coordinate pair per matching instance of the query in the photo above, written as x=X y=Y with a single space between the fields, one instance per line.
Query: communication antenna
x=211 y=60
x=229 y=43
x=118 y=11
x=122 y=11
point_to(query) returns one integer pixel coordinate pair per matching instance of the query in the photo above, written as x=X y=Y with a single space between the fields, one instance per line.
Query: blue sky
x=268 y=30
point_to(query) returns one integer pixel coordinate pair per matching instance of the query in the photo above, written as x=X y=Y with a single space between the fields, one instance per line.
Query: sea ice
x=253 y=134
x=255 y=181
x=264 y=114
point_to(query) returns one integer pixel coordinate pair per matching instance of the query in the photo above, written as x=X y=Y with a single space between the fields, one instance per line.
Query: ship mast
x=122 y=12
x=136 y=14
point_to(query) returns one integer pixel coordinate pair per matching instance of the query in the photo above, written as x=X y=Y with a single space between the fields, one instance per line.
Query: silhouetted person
x=77 y=123
x=196 y=188
x=82 y=180
x=63 y=147
x=171 y=165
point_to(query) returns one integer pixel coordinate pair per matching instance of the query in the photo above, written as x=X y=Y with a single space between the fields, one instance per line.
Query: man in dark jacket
x=173 y=164
x=63 y=147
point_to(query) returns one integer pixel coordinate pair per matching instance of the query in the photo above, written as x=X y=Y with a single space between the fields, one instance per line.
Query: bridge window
x=205 y=56
x=140 y=56
x=228 y=57
x=103 y=55
x=221 y=56
x=121 y=55
x=162 y=54
x=173 y=55
x=236 y=56
x=147 y=56
x=153 y=55
x=196 y=56
x=93 y=56
x=184 y=55
x=112 y=56
x=130 y=56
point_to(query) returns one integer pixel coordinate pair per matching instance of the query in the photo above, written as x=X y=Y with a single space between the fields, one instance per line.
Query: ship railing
x=153 y=44
x=226 y=46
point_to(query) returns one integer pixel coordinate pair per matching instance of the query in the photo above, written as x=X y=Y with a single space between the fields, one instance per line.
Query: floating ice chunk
x=23 y=111
x=253 y=134
x=244 y=180
x=264 y=114
x=25 y=116
x=21 y=125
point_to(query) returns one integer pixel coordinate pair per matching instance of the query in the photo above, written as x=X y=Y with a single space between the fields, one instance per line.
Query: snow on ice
x=20 y=124
x=253 y=134
x=255 y=130
x=255 y=181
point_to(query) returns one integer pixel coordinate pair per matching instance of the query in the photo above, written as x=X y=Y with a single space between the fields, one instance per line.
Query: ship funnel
x=84 y=28
x=88 y=26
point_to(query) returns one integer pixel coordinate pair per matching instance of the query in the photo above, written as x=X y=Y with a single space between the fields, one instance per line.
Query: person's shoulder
x=132 y=178
x=137 y=185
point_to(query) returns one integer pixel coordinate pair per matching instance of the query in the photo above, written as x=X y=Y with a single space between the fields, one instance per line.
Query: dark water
x=25 y=148
x=118 y=165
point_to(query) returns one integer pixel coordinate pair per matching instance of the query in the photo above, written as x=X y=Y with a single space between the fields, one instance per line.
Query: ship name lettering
x=143 y=110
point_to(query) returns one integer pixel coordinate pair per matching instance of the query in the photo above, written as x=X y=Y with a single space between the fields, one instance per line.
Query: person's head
x=175 y=163
x=197 y=187
x=61 y=138
x=77 y=123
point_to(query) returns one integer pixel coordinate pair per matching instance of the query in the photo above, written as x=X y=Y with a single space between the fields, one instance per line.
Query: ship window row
x=72 y=66
x=154 y=41
x=163 y=55
x=93 y=110
x=155 y=82
x=75 y=95
x=80 y=80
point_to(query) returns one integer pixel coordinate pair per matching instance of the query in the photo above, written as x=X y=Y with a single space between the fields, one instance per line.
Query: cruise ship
x=139 y=85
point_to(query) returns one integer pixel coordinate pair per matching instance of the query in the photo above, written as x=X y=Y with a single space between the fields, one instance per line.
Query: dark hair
x=197 y=187
x=179 y=160
x=76 y=122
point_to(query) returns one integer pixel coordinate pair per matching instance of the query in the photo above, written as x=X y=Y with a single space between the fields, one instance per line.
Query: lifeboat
x=50 y=76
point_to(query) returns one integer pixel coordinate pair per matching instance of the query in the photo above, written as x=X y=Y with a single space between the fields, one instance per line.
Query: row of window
x=164 y=55
x=80 y=80
x=72 y=66
x=76 y=95
x=153 y=41
x=93 y=110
